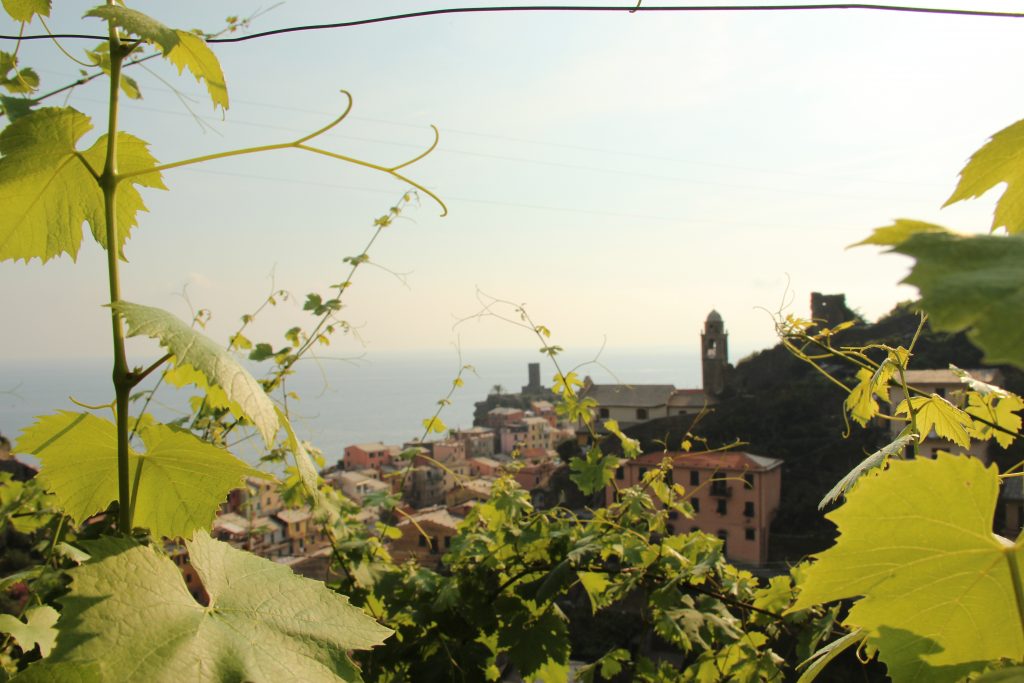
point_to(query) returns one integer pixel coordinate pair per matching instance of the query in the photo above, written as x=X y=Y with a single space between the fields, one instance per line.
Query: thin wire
x=631 y=9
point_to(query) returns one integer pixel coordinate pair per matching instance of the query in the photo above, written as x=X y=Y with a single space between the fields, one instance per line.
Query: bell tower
x=714 y=348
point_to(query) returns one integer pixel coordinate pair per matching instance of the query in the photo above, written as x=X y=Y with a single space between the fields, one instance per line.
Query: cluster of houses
x=734 y=494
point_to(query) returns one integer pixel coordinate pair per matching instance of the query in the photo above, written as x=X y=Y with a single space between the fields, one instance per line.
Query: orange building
x=735 y=496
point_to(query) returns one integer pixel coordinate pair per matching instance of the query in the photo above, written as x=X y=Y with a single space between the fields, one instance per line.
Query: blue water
x=381 y=397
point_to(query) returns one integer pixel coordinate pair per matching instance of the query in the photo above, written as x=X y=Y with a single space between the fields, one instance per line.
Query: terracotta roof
x=733 y=461
x=630 y=395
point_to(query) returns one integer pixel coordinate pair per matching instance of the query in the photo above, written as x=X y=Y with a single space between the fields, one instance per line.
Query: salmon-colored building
x=362 y=456
x=426 y=540
x=735 y=496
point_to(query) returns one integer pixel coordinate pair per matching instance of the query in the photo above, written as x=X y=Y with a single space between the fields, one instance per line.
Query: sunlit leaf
x=24 y=10
x=1000 y=411
x=899 y=232
x=876 y=459
x=1000 y=160
x=935 y=412
x=47 y=188
x=218 y=366
x=177 y=484
x=130 y=617
x=183 y=49
x=37 y=629
x=931 y=583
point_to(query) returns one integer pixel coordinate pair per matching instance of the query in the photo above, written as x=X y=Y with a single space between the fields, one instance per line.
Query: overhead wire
x=628 y=9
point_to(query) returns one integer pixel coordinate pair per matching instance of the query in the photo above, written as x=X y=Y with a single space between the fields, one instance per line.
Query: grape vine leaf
x=935 y=412
x=47 y=187
x=217 y=365
x=898 y=232
x=932 y=584
x=974 y=283
x=179 y=482
x=876 y=459
x=25 y=10
x=1000 y=160
x=594 y=472
x=37 y=629
x=129 y=617
x=183 y=49
x=997 y=410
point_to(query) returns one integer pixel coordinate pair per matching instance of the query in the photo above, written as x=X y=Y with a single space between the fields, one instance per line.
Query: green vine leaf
x=47 y=188
x=38 y=630
x=183 y=49
x=876 y=459
x=932 y=584
x=25 y=10
x=218 y=366
x=899 y=232
x=935 y=412
x=1000 y=160
x=974 y=283
x=129 y=617
x=179 y=482
x=594 y=472
x=998 y=410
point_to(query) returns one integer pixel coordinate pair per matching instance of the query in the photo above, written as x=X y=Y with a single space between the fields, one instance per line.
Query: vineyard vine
x=930 y=588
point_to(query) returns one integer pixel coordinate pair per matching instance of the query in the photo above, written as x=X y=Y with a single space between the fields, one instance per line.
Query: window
x=672 y=514
x=695 y=502
x=724 y=535
x=749 y=534
x=619 y=473
x=722 y=506
x=669 y=478
x=643 y=471
x=748 y=480
x=671 y=528
x=603 y=412
x=694 y=478
x=423 y=541
x=447 y=541
x=748 y=509
x=641 y=413
x=941 y=391
x=719 y=487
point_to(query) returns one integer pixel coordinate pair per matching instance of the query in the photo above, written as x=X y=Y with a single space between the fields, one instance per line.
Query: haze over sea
x=383 y=396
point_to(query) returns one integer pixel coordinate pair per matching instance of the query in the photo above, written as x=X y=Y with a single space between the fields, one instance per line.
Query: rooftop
x=630 y=395
x=732 y=461
x=946 y=376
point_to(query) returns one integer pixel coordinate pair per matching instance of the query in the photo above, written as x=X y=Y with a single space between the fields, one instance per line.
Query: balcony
x=720 y=489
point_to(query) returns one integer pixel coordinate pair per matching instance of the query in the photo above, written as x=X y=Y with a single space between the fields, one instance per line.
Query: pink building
x=735 y=496
x=361 y=456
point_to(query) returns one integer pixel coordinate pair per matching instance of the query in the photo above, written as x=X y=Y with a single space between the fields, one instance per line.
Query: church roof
x=714 y=316
x=630 y=395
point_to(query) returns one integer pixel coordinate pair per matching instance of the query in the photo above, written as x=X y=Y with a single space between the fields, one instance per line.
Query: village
x=734 y=494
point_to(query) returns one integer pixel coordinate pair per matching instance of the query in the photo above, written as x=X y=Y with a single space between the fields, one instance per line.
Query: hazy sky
x=620 y=174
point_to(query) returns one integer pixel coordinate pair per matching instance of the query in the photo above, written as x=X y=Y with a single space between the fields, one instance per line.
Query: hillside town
x=734 y=494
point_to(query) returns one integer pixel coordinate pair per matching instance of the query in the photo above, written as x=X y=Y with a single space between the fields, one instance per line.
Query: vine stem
x=121 y=374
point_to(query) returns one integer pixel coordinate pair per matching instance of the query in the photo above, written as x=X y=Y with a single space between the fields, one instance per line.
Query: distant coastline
x=383 y=396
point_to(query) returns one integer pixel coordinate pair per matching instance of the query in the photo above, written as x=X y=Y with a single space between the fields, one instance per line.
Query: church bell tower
x=714 y=346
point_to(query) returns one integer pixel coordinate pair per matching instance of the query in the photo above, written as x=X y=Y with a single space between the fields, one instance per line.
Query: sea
x=381 y=396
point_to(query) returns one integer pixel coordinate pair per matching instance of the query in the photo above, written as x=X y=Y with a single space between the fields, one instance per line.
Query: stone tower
x=714 y=349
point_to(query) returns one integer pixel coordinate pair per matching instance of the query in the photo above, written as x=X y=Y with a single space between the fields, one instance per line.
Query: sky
x=620 y=174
